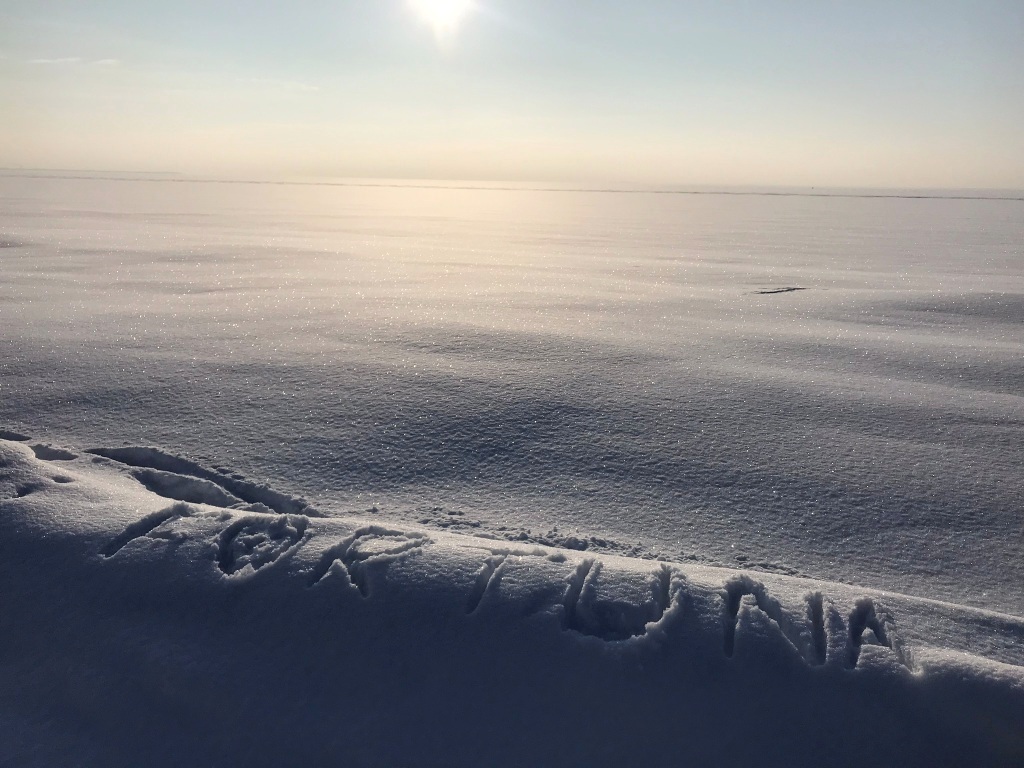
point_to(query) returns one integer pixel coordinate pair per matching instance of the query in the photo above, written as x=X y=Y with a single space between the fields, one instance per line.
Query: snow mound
x=138 y=631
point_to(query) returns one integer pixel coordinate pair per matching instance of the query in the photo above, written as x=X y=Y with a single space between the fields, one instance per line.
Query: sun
x=442 y=15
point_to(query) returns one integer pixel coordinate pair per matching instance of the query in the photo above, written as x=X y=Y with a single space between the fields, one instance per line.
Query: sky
x=663 y=92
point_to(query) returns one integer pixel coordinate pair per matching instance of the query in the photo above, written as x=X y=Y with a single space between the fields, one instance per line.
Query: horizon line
x=176 y=177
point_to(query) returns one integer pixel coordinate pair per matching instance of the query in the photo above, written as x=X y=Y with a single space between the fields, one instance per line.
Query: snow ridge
x=178 y=478
x=233 y=613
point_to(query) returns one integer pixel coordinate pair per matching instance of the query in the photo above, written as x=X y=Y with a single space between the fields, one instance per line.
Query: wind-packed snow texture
x=248 y=427
x=621 y=372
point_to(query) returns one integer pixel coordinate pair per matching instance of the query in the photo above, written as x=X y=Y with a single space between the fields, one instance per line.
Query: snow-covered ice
x=433 y=476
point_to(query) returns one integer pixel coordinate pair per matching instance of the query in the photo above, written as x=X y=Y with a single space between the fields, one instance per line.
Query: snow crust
x=229 y=636
x=617 y=373
x=391 y=476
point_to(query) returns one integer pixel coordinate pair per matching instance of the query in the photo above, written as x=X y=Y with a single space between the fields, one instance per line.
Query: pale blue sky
x=794 y=93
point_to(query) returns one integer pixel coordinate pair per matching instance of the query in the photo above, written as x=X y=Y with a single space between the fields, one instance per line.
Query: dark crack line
x=787 y=289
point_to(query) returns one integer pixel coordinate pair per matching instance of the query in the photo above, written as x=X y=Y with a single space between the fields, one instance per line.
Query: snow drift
x=158 y=612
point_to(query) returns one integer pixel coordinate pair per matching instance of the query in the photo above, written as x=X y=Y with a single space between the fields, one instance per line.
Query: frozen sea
x=404 y=474
x=829 y=386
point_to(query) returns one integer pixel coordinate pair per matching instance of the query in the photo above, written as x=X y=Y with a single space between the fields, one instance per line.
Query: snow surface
x=449 y=476
x=142 y=630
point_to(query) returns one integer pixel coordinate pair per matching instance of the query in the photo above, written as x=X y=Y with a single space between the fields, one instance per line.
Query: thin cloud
x=67 y=60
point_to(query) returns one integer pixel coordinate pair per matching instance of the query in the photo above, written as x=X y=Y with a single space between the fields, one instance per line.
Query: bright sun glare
x=442 y=15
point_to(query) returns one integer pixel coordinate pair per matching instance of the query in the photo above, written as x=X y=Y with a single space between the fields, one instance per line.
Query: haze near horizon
x=871 y=94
